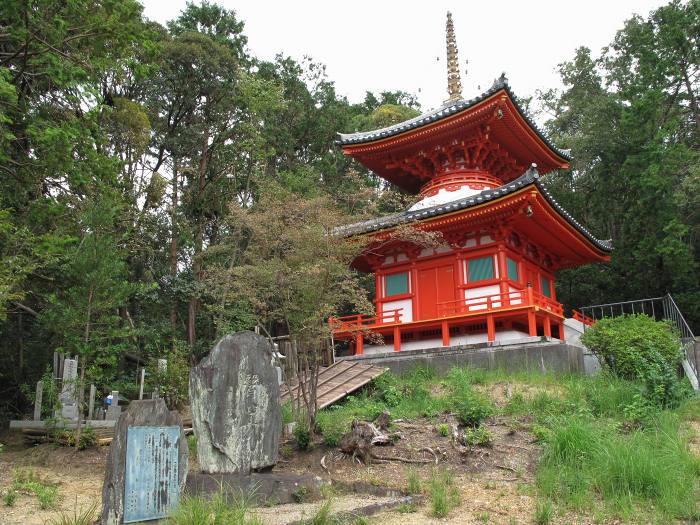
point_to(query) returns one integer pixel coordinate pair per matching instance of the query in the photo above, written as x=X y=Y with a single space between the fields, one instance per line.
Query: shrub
x=443 y=429
x=472 y=409
x=173 y=382
x=444 y=496
x=300 y=494
x=302 y=435
x=638 y=348
x=478 y=436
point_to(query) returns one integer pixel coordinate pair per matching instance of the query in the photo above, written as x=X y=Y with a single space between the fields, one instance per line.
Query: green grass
x=26 y=480
x=217 y=510
x=604 y=445
x=651 y=468
x=192 y=446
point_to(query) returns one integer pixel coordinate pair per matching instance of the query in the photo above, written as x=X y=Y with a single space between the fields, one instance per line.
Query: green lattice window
x=396 y=284
x=481 y=269
x=546 y=287
x=512 y=269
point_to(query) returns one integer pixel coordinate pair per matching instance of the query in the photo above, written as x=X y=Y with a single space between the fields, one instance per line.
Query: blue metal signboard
x=151 y=486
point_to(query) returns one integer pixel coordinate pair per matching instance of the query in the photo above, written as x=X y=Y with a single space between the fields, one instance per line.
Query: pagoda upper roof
x=530 y=178
x=495 y=113
x=446 y=110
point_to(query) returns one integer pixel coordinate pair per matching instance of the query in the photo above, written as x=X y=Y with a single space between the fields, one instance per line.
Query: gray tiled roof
x=529 y=177
x=450 y=108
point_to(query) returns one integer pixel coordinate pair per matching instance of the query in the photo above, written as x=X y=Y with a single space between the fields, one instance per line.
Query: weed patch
x=28 y=482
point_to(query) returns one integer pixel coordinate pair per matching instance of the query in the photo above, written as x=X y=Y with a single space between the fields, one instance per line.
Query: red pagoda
x=476 y=165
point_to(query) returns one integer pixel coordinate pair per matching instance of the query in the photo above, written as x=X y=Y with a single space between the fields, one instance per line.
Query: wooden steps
x=337 y=381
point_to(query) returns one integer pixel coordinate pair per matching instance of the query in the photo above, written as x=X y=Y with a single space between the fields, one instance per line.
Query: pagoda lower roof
x=448 y=109
x=529 y=178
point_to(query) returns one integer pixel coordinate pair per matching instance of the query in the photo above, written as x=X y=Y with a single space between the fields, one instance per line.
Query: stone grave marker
x=38 y=400
x=146 y=465
x=69 y=406
x=114 y=410
x=236 y=414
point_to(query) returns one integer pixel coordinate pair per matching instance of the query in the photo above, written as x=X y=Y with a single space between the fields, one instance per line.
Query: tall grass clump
x=647 y=468
x=219 y=510
x=79 y=517
x=442 y=492
x=322 y=516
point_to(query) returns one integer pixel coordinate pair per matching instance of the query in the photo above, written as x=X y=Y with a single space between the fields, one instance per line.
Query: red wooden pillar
x=531 y=322
x=359 y=344
x=490 y=328
x=503 y=274
x=562 y=337
x=445 y=334
x=547 y=326
x=397 y=339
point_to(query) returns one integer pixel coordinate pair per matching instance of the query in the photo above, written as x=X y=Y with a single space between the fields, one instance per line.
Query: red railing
x=499 y=301
x=588 y=321
x=526 y=298
x=356 y=322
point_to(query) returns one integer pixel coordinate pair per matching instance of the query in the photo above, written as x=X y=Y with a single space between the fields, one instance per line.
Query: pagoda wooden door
x=532 y=277
x=435 y=285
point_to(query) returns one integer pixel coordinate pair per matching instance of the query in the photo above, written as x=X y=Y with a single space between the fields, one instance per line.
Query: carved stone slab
x=234 y=397
x=147 y=413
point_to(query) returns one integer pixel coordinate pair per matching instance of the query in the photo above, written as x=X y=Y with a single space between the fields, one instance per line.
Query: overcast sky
x=390 y=45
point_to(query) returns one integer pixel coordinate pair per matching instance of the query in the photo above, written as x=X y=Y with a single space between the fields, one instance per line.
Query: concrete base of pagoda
x=481 y=338
x=538 y=354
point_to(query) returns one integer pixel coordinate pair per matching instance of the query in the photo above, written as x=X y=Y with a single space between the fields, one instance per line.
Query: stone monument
x=236 y=414
x=146 y=465
x=67 y=397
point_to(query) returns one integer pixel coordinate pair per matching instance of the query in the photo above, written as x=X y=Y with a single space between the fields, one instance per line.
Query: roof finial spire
x=454 y=82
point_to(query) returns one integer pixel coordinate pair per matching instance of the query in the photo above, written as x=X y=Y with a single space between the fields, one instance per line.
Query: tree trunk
x=193 y=305
x=693 y=99
x=81 y=383
x=173 y=251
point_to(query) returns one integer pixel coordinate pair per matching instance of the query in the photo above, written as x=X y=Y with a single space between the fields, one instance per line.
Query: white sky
x=394 y=45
